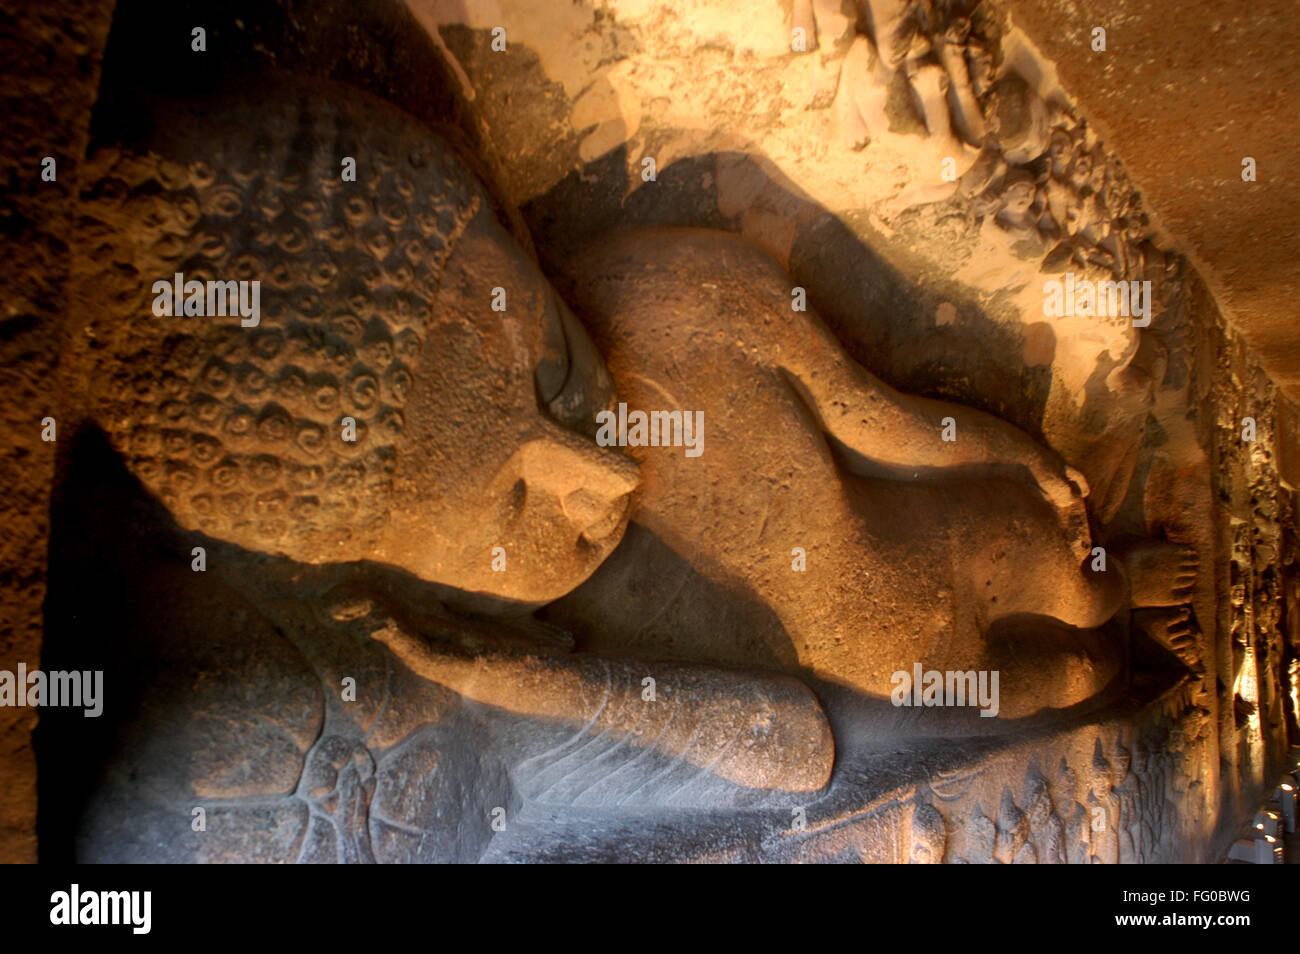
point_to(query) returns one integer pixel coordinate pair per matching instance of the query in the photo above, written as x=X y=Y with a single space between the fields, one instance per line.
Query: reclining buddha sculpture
x=415 y=397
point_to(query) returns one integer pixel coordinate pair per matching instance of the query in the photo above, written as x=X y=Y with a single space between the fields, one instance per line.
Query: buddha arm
x=776 y=738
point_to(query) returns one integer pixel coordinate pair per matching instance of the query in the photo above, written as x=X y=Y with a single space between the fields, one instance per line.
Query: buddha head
x=412 y=392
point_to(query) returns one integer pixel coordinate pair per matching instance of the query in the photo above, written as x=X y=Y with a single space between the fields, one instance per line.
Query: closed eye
x=573 y=383
x=553 y=359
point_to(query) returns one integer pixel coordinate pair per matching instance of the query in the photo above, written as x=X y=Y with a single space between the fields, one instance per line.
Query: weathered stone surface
x=383 y=575
x=51 y=60
x=1201 y=115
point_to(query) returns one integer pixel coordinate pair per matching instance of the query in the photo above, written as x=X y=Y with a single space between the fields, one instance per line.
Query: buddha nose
x=588 y=481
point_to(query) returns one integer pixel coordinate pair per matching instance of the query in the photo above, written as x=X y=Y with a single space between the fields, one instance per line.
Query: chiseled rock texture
x=51 y=57
x=1211 y=94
